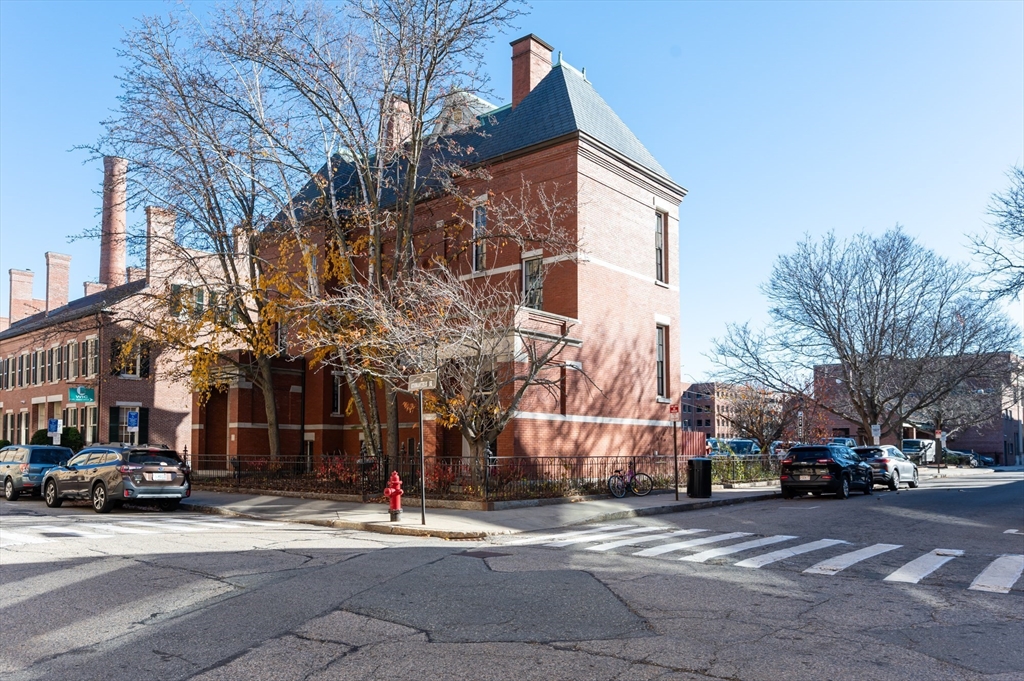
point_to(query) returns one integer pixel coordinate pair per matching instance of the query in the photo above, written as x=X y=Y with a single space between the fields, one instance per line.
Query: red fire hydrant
x=394 y=492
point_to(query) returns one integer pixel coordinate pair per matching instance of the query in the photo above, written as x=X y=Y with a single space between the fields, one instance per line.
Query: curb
x=385 y=527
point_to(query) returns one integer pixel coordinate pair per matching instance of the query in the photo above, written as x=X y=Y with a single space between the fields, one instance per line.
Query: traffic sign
x=427 y=381
x=53 y=426
x=133 y=422
x=673 y=412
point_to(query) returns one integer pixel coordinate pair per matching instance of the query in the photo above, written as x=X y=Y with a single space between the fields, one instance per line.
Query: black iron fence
x=499 y=479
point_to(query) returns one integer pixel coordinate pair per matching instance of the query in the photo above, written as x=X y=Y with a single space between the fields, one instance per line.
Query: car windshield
x=158 y=458
x=911 y=444
x=810 y=453
x=51 y=456
x=741 y=446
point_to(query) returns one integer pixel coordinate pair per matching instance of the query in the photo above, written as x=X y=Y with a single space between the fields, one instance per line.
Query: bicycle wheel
x=642 y=484
x=617 y=486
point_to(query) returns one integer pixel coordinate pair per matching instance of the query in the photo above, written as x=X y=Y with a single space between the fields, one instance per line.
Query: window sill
x=664 y=400
x=662 y=284
x=129 y=377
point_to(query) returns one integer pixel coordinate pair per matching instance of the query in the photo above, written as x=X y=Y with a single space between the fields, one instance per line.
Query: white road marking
x=564 y=535
x=839 y=563
x=640 y=540
x=605 y=535
x=70 y=531
x=782 y=554
x=166 y=525
x=704 y=556
x=111 y=527
x=1000 y=575
x=8 y=538
x=1013 y=532
x=680 y=545
x=919 y=568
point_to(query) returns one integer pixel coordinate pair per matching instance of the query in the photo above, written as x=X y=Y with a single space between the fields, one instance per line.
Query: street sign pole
x=418 y=383
x=673 y=414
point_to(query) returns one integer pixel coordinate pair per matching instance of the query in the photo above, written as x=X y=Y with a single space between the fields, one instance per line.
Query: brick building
x=620 y=296
x=703 y=407
x=1001 y=436
x=57 y=357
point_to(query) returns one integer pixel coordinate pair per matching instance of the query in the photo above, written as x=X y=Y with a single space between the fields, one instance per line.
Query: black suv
x=22 y=467
x=824 y=468
x=110 y=475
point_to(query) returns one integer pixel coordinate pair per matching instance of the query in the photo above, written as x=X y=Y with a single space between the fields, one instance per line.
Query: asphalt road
x=922 y=584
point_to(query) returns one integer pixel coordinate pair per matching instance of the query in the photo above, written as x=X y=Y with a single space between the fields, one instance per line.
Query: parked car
x=741 y=447
x=22 y=467
x=889 y=466
x=109 y=475
x=919 y=451
x=843 y=441
x=985 y=460
x=824 y=468
x=953 y=457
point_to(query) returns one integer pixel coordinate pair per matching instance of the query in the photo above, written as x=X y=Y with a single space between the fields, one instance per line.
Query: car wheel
x=51 y=496
x=101 y=503
x=10 y=494
x=169 y=505
x=894 y=480
x=915 y=481
x=869 y=488
x=844 y=488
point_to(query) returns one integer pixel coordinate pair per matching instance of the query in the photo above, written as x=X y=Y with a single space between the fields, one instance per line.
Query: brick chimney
x=22 y=304
x=91 y=287
x=115 y=221
x=58 y=269
x=531 y=61
x=397 y=123
x=159 y=243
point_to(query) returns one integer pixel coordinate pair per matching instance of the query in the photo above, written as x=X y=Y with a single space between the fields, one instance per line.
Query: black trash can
x=698 y=478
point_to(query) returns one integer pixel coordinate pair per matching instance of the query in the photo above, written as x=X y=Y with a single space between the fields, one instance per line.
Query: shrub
x=40 y=438
x=4 y=443
x=69 y=437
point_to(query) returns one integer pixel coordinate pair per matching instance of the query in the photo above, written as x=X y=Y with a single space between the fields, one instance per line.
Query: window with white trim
x=662 y=360
x=479 y=242
x=533 y=283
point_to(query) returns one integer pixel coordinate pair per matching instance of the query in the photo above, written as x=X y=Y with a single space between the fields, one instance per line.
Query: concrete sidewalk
x=460 y=524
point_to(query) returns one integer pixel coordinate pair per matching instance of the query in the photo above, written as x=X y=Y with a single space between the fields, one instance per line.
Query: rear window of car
x=50 y=456
x=870 y=452
x=741 y=446
x=158 y=458
x=810 y=453
x=912 y=444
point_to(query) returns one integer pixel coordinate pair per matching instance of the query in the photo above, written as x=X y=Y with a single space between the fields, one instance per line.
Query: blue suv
x=22 y=467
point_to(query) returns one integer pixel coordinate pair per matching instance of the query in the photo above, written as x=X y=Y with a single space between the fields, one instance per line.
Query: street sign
x=673 y=412
x=876 y=432
x=133 y=422
x=800 y=425
x=81 y=394
x=53 y=426
x=427 y=381
x=938 y=434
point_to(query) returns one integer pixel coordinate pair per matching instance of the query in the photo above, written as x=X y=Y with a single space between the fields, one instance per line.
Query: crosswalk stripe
x=605 y=535
x=782 y=554
x=167 y=525
x=640 y=540
x=111 y=527
x=704 y=556
x=13 y=538
x=919 y=568
x=839 y=563
x=564 y=535
x=70 y=531
x=1000 y=575
x=680 y=545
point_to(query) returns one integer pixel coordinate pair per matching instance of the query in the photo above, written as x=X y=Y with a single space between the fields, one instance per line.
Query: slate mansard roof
x=76 y=309
x=564 y=102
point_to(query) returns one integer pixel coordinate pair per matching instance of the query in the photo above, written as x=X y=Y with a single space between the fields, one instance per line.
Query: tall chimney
x=531 y=61
x=22 y=305
x=115 y=221
x=58 y=268
x=397 y=123
x=159 y=243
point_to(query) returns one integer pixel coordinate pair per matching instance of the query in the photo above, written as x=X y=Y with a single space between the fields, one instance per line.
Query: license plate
x=164 y=477
x=805 y=477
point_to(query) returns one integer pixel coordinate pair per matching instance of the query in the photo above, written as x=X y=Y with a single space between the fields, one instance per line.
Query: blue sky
x=781 y=119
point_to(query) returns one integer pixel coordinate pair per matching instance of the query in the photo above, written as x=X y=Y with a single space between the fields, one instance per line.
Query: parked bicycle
x=639 y=484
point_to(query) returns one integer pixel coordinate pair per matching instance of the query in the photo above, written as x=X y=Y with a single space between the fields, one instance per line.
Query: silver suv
x=109 y=475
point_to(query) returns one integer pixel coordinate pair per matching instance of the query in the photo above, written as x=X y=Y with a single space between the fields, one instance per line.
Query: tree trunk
x=391 y=413
x=266 y=383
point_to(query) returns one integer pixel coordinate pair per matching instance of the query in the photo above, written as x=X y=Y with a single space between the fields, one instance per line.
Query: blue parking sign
x=52 y=426
x=133 y=422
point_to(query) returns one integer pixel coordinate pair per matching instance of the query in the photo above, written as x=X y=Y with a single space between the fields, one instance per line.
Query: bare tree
x=886 y=327
x=759 y=414
x=1001 y=252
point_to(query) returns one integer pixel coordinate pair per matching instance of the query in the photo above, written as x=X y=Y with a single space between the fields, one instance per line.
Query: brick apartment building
x=620 y=297
x=56 y=355
x=703 y=408
x=1001 y=436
